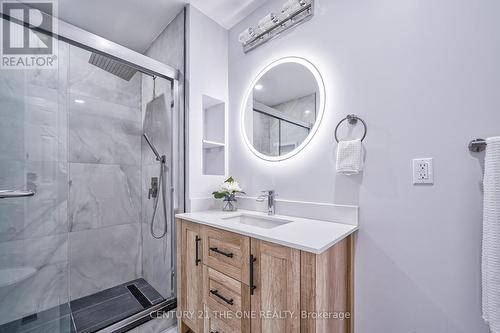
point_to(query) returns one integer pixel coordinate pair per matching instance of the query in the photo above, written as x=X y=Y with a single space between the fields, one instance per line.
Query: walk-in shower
x=91 y=166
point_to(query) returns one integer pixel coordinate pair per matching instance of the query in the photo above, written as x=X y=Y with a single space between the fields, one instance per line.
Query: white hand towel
x=350 y=157
x=491 y=236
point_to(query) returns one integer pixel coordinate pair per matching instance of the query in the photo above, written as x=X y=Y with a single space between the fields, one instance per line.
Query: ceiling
x=136 y=23
x=227 y=12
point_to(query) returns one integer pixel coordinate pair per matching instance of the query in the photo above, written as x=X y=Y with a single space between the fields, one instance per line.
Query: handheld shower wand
x=154 y=190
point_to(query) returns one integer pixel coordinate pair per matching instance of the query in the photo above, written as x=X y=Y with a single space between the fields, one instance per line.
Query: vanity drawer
x=215 y=324
x=227 y=299
x=226 y=252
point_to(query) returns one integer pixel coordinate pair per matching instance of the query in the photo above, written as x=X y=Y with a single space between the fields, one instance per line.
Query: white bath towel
x=350 y=157
x=491 y=236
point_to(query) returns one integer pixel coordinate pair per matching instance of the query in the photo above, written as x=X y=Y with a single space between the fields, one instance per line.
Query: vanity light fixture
x=292 y=13
x=79 y=101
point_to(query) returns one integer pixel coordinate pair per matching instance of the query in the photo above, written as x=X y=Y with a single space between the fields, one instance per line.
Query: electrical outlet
x=423 y=171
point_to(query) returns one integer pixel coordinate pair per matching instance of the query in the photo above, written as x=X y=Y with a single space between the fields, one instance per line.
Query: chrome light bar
x=293 y=13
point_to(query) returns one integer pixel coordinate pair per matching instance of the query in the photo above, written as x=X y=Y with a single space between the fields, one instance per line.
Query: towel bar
x=353 y=120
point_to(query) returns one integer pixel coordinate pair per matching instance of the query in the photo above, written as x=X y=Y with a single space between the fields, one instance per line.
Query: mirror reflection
x=282 y=109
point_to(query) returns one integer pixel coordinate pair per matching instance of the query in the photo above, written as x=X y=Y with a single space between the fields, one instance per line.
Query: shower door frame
x=149 y=66
x=94 y=43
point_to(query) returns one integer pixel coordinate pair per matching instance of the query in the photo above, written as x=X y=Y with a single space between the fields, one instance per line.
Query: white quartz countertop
x=309 y=235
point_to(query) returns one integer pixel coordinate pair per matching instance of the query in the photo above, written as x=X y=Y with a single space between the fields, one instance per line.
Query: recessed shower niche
x=214 y=136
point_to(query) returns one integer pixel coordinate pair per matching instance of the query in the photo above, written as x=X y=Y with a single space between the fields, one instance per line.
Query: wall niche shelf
x=214 y=136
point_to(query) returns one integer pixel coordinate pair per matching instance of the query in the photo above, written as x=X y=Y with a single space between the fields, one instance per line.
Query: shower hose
x=163 y=192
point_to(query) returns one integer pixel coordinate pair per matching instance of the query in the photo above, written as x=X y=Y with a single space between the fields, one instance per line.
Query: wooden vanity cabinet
x=276 y=282
x=277 y=289
x=190 y=276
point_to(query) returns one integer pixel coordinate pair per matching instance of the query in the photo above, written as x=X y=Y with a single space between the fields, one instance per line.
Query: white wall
x=424 y=74
x=207 y=74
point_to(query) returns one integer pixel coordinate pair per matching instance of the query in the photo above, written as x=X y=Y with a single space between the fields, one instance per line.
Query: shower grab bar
x=15 y=194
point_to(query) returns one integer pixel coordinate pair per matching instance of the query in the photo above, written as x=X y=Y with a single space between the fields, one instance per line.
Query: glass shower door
x=33 y=230
x=79 y=254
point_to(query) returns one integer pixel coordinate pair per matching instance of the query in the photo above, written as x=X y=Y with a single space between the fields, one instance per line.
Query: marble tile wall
x=266 y=134
x=104 y=208
x=156 y=261
x=103 y=195
x=156 y=252
x=82 y=231
x=291 y=136
x=101 y=258
x=33 y=155
x=103 y=132
x=84 y=163
x=273 y=137
x=88 y=80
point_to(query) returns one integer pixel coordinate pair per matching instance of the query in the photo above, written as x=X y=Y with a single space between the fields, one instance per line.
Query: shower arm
x=158 y=157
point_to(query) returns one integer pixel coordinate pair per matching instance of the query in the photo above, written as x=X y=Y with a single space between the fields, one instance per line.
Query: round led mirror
x=283 y=108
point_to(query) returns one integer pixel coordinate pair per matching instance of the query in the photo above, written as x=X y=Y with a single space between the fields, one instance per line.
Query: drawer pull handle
x=229 y=255
x=197 y=260
x=214 y=331
x=252 y=286
x=215 y=292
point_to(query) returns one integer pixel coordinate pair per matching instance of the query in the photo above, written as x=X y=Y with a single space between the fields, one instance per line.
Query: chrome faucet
x=269 y=194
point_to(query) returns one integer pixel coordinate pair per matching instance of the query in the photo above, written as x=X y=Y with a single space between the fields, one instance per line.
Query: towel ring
x=353 y=120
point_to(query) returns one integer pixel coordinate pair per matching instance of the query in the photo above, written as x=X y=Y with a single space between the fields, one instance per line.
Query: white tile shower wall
x=33 y=232
x=104 y=132
x=48 y=142
x=425 y=77
x=270 y=133
x=104 y=257
x=88 y=80
x=104 y=209
x=290 y=135
x=168 y=48
x=103 y=195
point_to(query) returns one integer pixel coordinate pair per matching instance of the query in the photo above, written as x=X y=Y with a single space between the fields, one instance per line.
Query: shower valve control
x=153 y=190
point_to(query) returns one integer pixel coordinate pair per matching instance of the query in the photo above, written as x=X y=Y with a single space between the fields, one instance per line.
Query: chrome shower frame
x=94 y=43
x=144 y=64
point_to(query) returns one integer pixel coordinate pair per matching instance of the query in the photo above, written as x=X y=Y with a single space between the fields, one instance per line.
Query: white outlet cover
x=423 y=171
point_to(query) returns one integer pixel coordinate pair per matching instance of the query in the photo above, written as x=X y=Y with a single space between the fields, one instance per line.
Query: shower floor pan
x=105 y=311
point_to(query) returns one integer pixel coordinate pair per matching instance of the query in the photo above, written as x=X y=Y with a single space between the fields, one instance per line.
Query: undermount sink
x=265 y=222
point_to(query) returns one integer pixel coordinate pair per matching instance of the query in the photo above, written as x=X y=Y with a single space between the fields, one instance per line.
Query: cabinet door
x=275 y=292
x=191 y=280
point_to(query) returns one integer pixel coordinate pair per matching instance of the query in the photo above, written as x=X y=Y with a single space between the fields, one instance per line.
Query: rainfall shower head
x=112 y=66
x=158 y=157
